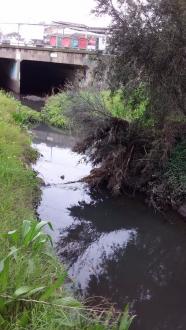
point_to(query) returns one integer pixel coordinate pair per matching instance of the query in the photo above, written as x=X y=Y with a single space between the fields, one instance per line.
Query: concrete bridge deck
x=47 y=54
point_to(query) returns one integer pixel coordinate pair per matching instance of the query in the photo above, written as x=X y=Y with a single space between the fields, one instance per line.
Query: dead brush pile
x=127 y=156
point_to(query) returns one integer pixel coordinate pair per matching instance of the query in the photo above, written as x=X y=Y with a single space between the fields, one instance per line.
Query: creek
x=116 y=248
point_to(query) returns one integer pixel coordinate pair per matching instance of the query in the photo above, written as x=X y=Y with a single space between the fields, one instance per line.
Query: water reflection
x=121 y=250
x=95 y=253
x=114 y=247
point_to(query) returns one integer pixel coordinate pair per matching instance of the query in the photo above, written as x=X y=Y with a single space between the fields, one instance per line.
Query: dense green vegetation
x=60 y=109
x=51 y=114
x=129 y=108
x=54 y=109
x=32 y=281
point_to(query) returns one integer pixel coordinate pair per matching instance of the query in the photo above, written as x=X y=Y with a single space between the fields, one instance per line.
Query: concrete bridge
x=33 y=70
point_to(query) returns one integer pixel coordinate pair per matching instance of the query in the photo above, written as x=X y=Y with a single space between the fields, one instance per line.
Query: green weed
x=26 y=116
x=54 y=109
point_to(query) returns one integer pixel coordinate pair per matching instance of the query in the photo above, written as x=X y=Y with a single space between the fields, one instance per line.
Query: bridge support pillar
x=14 y=77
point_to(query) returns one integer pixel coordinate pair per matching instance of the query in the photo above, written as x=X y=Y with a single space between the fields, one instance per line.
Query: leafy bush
x=121 y=106
x=54 y=109
x=114 y=103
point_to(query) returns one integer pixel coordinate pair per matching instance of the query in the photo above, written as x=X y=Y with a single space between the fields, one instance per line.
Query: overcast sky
x=33 y=11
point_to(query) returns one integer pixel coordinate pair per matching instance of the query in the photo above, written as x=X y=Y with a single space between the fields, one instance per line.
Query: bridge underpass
x=41 y=78
x=41 y=70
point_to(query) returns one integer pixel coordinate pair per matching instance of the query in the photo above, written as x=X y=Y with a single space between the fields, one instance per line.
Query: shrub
x=54 y=109
x=129 y=108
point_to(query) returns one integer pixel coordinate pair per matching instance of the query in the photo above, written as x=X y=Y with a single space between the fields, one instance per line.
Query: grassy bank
x=32 y=281
x=51 y=114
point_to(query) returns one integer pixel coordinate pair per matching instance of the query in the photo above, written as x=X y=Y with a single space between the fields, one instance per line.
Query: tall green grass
x=18 y=182
x=32 y=281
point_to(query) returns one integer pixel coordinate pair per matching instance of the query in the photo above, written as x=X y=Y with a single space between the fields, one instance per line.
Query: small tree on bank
x=147 y=45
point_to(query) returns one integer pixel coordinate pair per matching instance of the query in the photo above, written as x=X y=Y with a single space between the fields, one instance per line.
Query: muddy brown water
x=117 y=248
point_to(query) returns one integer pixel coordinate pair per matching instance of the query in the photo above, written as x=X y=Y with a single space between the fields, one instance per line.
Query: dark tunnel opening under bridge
x=41 y=78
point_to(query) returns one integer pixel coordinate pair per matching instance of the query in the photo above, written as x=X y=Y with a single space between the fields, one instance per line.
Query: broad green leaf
x=40 y=234
x=126 y=320
x=36 y=290
x=40 y=225
x=26 y=227
x=11 y=232
x=22 y=291
x=30 y=234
